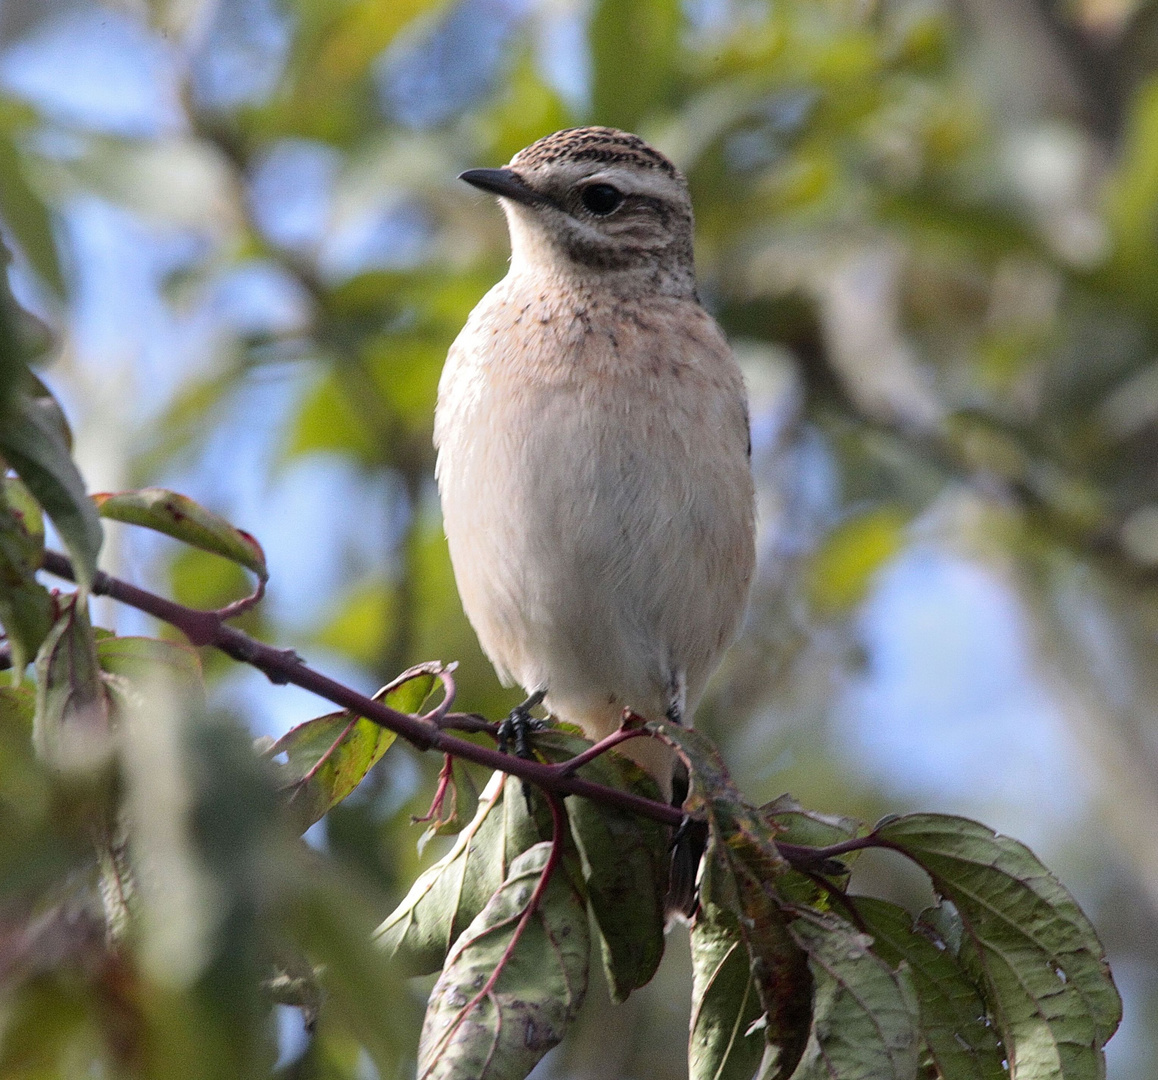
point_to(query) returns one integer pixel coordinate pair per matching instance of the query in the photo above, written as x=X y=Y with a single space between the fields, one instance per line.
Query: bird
x=593 y=446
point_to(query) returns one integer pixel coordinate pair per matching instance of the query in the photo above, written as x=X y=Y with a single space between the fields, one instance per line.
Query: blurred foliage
x=930 y=225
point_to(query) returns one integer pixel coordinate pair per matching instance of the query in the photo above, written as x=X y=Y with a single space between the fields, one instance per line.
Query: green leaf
x=625 y=864
x=501 y=1003
x=328 y=757
x=451 y=893
x=71 y=728
x=26 y=608
x=361 y=621
x=32 y=443
x=726 y=1043
x=865 y=1024
x=180 y=517
x=953 y=1017
x=1025 y=941
x=27 y=217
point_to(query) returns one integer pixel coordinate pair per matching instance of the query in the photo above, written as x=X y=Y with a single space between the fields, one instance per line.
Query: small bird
x=593 y=445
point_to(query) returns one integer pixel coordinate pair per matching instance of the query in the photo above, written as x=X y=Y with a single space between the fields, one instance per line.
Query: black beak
x=505 y=182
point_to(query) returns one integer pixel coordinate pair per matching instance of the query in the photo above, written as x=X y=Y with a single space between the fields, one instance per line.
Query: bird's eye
x=601 y=199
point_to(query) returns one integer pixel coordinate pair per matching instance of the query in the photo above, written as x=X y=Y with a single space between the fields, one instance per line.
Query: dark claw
x=517 y=728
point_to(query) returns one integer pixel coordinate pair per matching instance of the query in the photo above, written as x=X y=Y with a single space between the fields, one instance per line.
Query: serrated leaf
x=32 y=443
x=328 y=757
x=71 y=727
x=1027 y=942
x=449 y=895
x=26 y=608
x=865 y=1015
x=27 y=217
x=180 y=517
x=625 y=864
x=500 y=1004
x=723 y=1043
x=953 y=1018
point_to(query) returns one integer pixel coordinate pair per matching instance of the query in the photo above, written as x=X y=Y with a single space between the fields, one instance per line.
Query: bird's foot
x=518 y=727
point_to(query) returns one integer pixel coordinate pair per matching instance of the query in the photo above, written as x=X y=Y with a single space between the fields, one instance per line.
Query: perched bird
x=593 y=445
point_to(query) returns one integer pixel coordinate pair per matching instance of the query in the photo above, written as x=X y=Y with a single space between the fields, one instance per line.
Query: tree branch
x=284 y=666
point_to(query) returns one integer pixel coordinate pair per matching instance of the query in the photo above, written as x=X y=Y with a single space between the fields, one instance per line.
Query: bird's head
x=597 y=202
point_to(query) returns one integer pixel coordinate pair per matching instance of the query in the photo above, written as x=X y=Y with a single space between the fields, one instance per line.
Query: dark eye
x=601 y=198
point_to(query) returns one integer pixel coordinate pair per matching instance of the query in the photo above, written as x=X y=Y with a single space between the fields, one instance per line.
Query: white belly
x=600 y=528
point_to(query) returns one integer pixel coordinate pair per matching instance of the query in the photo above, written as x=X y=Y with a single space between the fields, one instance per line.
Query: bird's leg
x=517 y=727
x=677 y=697
x=691 y=837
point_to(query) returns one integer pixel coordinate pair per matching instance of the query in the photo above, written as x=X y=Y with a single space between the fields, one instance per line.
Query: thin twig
x=621 y=735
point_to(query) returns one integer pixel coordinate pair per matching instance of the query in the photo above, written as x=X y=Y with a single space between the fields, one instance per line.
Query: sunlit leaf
x=509 y=991
x=328 y=757
x=852 y=554
x=180 y=517
x=362 y=623
x=328 y=420
x=1026 y=942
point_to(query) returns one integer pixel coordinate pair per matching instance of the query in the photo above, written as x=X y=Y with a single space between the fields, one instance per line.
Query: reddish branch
x=283 y=666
